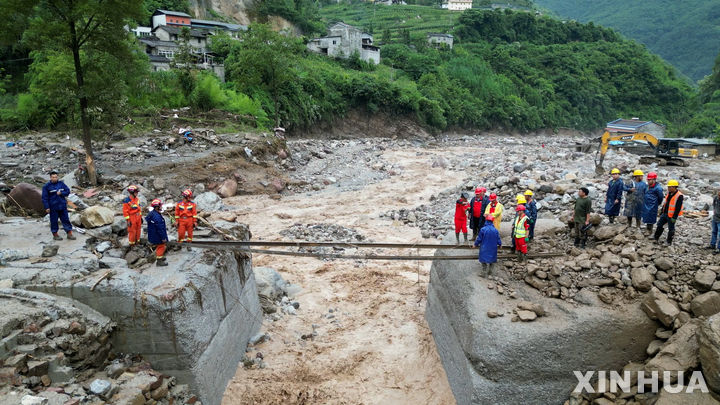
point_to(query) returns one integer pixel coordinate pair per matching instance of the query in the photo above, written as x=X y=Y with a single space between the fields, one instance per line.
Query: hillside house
x=440 y=39
x=457 y=5
x=635 y=125
x=171 y=18
x=344 y=40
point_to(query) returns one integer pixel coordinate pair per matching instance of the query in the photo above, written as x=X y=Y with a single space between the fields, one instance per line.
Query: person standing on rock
x=532 y=212
x=461 y=208
x=496 y=210
x=186 y=217
x=671 y=211
x=653 y=197
x=133 y=215
x=489 y=241
x=521 y=203
x=614 y=195
x=635 y=197
x=581 y=219
x=157 y=232
x=520 y=232
x=54 y=194
x=476 y=209
x=715 y=239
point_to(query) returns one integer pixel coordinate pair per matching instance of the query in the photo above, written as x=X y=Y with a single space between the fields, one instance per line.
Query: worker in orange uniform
x=133 y=215
x=496 y=210
x=520 y=231
x=186 y=217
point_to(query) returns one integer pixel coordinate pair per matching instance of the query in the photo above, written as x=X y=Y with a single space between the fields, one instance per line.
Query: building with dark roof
x=635 y=125
x=166 y=17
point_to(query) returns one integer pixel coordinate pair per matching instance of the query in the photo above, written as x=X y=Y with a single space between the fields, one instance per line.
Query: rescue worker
x=496 y=210
x=520 y=199
x=671 y=210
x=715 y=239
x=635 y=197
x=186 y=217
x=614 y=195
x=532 y=212
x=133 y=214
x=489 y=241
x=520 y=231
x=476 y=209
x=54 y=193
x=581 y=219
x=653 y=197
x=157 y=232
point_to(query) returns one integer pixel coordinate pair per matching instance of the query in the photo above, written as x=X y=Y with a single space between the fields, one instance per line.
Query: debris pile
x=58 y=351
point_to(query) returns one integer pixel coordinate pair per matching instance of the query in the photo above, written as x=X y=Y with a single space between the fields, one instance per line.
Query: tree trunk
x=84 y=118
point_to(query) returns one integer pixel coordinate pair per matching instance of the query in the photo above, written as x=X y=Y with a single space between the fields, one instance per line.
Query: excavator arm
x=607 y=138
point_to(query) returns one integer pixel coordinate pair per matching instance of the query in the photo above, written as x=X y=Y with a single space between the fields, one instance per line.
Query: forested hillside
x=509 y=70
x=706 y=120
x=684 y=33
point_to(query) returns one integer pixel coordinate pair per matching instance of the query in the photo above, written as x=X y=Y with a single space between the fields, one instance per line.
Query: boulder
x=228 y=188
x=680 y=353
x=704 y=279
x=663 y=263
x=706 y=304
x=606 y=232
x=642 y=280
x=268 y=282
x=696 y=397
x=658 y=306
x=477 y=351
x=709 y=351
x=97 y=216
x=208 y=202
x=27 y=197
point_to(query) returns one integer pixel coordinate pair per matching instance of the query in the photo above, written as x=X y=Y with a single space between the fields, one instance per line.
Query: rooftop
x=229 y=26
x=434 y=34
x=169 y=12
x=175 y=30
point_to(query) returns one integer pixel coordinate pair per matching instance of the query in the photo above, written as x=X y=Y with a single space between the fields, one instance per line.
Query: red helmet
x=156 y=203
x=493 y=197
x=132 y=189
x=652 y=175
x=187 y=193
x=480 y=190
x=520 y=208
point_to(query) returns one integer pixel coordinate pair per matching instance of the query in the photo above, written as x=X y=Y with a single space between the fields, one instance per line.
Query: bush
x=207 y=94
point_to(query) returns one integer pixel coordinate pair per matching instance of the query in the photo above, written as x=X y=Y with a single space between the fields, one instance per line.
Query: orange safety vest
x=184 y=210
x=671 y=206
x=131 y=206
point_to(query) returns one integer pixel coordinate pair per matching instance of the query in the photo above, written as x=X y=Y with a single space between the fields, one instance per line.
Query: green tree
x=91 y=33
x=264 y=60
x=386 y=36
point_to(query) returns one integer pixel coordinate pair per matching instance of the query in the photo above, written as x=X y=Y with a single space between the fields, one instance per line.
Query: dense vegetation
x=706 y=121
x=509 y=70
x=685 y=33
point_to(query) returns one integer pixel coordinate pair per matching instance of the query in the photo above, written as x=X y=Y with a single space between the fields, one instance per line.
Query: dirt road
x=375 y=346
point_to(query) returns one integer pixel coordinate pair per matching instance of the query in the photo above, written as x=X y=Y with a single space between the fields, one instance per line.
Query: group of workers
x=485 y=215
x=645 y=202
x=55 y=192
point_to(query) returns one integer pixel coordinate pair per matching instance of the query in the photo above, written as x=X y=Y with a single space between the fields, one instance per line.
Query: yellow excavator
x=668 y=151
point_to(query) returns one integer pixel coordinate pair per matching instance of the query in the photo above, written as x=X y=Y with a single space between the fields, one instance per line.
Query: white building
x=436 y=39
x=459 y=5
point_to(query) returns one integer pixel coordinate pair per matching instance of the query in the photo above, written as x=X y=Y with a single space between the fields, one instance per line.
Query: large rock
x=696 y=397
x=208 y=202
x=641 y=278
x=28 y=197
x=709 y=351
x=680 y=353
x=228 y=188
x=663 y=263
x=704 y=279
x=496 y=361
x=658 y=306
x=97 y=216
x=606 y=232
x=706 y=304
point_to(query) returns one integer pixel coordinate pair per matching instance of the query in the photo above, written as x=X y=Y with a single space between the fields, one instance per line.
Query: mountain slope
x=685 y=33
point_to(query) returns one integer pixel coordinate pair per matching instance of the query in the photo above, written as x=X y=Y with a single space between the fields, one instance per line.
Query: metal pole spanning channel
x=348 y=245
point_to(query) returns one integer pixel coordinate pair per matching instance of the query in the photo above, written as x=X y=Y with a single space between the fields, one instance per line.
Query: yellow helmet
x=528 y=192
x=673 y=183
x=615 y=171
x=521 y=199
x=638 y=173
